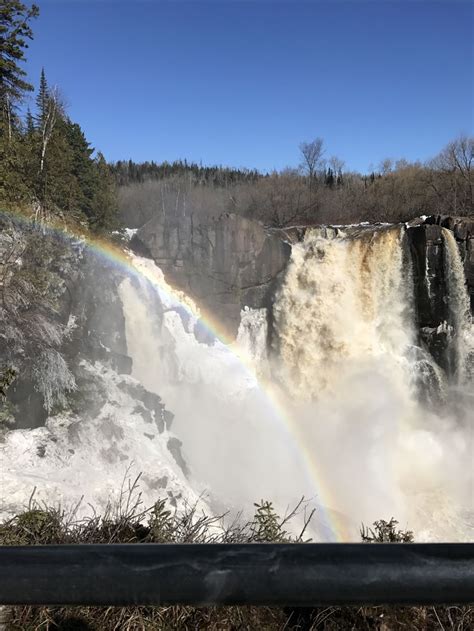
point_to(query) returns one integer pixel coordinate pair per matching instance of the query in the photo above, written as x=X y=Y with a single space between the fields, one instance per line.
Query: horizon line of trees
x=319 y=190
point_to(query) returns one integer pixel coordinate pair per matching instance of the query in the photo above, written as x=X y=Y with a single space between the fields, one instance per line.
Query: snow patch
x=76 y=456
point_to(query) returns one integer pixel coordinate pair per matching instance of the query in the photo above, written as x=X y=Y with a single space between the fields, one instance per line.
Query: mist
x=343 y=407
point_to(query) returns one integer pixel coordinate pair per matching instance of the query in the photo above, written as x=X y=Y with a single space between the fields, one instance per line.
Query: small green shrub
x=385 y=532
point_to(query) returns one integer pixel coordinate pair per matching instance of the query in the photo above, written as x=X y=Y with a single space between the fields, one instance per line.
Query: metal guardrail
x=298 y=575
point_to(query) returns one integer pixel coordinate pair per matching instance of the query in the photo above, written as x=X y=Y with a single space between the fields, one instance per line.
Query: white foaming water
x=343 y=301
x=237 y=449
x=252 y=338
x=345 y=347
x=345 y=354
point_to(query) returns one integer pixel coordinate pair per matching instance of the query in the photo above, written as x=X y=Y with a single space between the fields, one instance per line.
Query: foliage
x=128 y=172
x=385 y=532
x=7 y=376
x=46 y=162
x=319 y=192
x=15 y=30
x=36 y=526
x=266 y=526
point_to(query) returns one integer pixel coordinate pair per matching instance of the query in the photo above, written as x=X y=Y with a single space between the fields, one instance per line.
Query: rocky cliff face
x=225 y=263
x=431 y=277
x=463 y=231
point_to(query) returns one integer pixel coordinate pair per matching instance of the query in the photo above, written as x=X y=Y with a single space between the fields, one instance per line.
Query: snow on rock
x=89 y=453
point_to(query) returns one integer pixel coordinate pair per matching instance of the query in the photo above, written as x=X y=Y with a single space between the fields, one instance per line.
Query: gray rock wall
x=223 y=263
x=463 y=230
x=430 y=280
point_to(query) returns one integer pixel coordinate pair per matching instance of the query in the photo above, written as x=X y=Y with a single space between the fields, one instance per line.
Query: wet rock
x=122 y=364
x=90 y=395
x=168 y=418
x=174 y=446
x=27 y=404
x=430 y=280
x=152 y=403
x=463 y=230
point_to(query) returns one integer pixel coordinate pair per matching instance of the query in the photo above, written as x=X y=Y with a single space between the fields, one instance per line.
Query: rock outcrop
x=463 y=230
x=224 y=264
x=427 y=246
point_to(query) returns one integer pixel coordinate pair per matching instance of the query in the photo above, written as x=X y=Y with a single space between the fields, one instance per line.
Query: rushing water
x=372 y=426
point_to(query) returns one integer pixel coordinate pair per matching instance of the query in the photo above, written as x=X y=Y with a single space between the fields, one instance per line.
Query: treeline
x=319 y=190
x=46 y=163
x=128 y=172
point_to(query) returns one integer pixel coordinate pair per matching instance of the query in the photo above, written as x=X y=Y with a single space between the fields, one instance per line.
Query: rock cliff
x=225 y=263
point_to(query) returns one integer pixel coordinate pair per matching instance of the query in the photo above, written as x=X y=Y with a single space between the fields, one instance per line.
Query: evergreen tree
x=329 y=178
x=15 y=187
x=14 y=33
x=42 y=99
x=30 y=123
x=83 y=169
x=104 y=204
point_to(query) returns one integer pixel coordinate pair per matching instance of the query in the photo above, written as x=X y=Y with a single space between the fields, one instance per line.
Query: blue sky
x=243 y=83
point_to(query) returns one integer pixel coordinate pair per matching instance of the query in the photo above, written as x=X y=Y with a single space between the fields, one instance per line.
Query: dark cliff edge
x=430 y=276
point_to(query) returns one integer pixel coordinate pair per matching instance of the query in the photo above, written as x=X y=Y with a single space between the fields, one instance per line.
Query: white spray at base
x=345 y=354
x=346 y=349
x=235 y=444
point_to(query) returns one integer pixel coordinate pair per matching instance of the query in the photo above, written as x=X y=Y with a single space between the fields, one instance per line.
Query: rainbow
x=333 y=527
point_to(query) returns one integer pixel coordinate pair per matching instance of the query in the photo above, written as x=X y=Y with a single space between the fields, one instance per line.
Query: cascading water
x=349 y=372
x=345 y=347
x=344 y=301
x=459 y=310
x=236 y=447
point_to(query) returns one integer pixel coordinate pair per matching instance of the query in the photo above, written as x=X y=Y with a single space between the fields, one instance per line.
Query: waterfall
x=459 y=310
x=344 y=301
x=231 y=438
x=356 y=436
x=345 y=347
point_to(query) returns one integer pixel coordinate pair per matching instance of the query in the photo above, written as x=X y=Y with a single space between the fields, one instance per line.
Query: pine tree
x=104 y=205
x=42 y=99
x=30 y=123
x=83 y=169
x=14 y=33
x=329 y=178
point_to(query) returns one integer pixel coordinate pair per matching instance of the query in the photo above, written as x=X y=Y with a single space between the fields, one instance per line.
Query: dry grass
x=129 y=522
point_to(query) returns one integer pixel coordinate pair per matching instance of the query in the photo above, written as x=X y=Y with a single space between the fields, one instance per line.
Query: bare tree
x=311 y=158
x=452 y=175
x=336 y=164
x=386 y=166
x=54 y=108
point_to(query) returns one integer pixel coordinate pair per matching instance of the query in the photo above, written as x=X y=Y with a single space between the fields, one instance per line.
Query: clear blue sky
x=243 y=83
